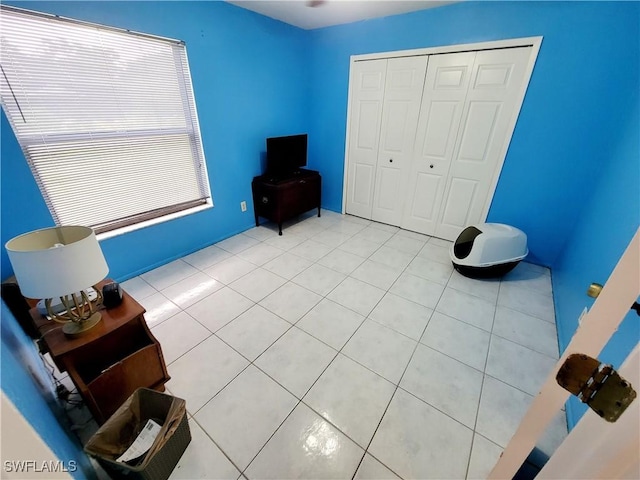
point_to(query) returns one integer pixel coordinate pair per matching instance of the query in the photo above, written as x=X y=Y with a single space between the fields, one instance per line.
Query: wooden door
x=401 y=106
x=445 y=91
x=367 y=94
x=491 y=106
x=597 y=326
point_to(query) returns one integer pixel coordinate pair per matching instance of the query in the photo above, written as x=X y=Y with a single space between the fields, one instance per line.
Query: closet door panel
x=478 y=133
x=461 y=196
x=363 y=181
x=445 y=89
x=367 y=93
x=389 y=182
x=489 y=109
x=423 y=197
x=366 y=140
x=403 y=91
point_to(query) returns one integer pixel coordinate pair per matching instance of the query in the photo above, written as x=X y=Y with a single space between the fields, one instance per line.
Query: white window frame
x=44 y=143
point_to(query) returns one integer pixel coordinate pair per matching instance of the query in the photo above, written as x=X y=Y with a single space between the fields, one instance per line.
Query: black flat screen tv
x=286 y=155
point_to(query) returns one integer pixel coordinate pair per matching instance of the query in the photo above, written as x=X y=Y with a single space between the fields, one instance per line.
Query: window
x=106 y=119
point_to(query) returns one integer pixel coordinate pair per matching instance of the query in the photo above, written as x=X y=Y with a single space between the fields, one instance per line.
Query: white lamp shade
x=54 y=262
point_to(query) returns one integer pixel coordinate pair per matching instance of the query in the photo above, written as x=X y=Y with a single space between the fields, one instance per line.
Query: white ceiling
x=332 y=12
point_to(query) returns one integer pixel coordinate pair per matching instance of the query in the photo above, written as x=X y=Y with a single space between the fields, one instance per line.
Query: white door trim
x=533 y=42
x=465 y=47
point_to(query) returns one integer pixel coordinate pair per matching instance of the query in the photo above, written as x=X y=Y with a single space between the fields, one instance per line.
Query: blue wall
x=571 y=110
x=255 y=77
x=248 y=83
x=27 y=385
x=603 y=230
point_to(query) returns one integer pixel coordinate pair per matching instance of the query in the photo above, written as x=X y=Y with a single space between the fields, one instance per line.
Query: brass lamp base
x=80 y=315
x=77 y=329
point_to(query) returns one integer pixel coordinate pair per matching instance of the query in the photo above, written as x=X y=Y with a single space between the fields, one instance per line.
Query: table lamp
x=61 y=262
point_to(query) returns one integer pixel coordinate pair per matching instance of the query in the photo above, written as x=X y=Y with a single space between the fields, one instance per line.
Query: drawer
x=116 y=383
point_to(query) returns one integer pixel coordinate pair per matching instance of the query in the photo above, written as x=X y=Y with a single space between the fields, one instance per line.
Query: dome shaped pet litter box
x=488 y=250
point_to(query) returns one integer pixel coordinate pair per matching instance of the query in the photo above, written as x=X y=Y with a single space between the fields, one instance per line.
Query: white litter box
x=488 y=250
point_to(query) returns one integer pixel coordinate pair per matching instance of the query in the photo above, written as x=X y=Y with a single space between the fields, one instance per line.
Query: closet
x=428 y=134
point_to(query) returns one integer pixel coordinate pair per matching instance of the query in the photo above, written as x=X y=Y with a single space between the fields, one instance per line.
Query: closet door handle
x=391 y=160
x=431 y=166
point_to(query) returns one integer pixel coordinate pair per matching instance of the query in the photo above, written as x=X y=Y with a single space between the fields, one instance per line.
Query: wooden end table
x=110 y=361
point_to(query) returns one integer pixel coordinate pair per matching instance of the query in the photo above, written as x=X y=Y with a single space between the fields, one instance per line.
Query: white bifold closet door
x=469 y=102
x=384 y=117
x=426 y=154
x=445 y=92
x=366 y=116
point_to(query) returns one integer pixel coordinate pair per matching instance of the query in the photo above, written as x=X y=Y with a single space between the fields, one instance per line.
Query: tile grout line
x=340 y=351
x=193 y=417
x=484 y=370
x=291 y=393
x=291 y=326
x=322 y=373
x=234 y=318
x=397 y=386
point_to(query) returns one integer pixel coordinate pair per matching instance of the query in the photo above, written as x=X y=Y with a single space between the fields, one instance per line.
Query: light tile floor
x=347 y=349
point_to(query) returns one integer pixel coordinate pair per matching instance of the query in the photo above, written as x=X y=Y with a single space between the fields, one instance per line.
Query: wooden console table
x=110 y=361
x=281 y=199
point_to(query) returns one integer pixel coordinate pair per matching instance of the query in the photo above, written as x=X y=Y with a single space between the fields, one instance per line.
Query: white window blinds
x=106 y=119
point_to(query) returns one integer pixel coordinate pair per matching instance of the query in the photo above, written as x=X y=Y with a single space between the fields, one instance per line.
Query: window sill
x=147 y=223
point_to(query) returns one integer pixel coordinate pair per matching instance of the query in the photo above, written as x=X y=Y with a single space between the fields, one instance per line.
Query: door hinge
x=596 y=384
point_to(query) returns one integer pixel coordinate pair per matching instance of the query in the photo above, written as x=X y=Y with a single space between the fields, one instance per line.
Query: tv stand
x=280 y=199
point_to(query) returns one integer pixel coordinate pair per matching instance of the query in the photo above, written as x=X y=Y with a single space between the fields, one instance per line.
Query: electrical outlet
x=243 y=206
